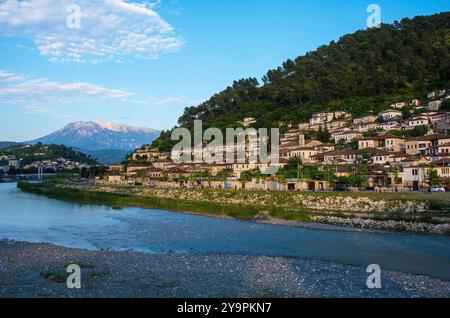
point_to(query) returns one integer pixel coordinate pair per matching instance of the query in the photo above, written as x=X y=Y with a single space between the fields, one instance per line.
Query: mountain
x=101 y=138
x=108 y=157
x=362 y=72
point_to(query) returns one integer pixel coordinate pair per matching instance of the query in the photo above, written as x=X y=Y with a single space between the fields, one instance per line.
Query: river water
x=32 y=218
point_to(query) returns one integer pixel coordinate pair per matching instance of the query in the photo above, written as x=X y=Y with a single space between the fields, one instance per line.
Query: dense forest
x=32 y=153
x=363 y=73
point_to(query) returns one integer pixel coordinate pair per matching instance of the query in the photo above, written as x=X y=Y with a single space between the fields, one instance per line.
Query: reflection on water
x=32 y=218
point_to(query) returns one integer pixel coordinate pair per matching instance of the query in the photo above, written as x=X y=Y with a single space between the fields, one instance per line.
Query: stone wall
x=291 y=201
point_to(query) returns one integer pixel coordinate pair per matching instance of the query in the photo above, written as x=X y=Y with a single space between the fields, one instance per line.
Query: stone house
x=419 y=145
x=418 y=121
x=434 y=105
x=347 y=156
x=399 y=105
x=148 y=153
x=417 y=177
x=391 y=114
x=116 y=168
x=365 y=127
x=176 y=173
x=135 y=168
x=439 y=151
x=385 y=142
x=347 y=136
x=365 y=120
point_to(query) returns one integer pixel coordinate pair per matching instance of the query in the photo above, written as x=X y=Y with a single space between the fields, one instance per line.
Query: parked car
x=437 y=189
x=341 y=188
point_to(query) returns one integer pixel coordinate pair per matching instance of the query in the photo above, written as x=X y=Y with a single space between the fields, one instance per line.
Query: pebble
x=133 y=274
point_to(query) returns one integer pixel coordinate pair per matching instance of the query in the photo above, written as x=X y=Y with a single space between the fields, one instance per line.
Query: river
x=32 y=218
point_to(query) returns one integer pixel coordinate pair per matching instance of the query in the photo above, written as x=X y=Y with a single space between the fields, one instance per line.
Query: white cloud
x=43 y=110
x=9 y=77
x=167 y=101
x=110 y=30
x=174 y=101
x=18 y=89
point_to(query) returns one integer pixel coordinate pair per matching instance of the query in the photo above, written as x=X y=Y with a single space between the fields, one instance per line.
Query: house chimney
x=301 y=140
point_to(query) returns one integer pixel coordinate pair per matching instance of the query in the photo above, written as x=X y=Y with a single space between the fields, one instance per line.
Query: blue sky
x=140 y=63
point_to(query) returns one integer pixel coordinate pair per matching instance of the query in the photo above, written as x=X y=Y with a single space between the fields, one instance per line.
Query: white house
x=434 y=105
x=390 y=114
x=321 y=118
x=247 y=122
x=418 y=121
x=364 y=120
x=414 y=103
x=347 y=136
x=399 y=105
x=432 y=95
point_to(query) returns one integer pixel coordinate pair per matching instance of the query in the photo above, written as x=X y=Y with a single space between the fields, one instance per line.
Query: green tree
x=247 y=176
x=142 y=175
x=354 y=144
x=445 y=105
x=224 y=174
x=385 y=179
x=84 y=173
x=323 y=135
x=433 y=177
x=396 y=175
x=420 y=131
x=407 y=113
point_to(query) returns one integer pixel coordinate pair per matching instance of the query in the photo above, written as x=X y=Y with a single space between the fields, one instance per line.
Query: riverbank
x=403 y=212
x=38 y=270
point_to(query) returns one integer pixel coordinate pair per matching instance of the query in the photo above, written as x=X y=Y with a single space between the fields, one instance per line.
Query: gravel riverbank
x=37 y=270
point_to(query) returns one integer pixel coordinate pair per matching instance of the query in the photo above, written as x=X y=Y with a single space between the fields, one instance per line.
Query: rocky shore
x=38 y=270
x=282 y=200
x=387 y=225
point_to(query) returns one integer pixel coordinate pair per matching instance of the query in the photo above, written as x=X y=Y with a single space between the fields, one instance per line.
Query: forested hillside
x=363 y=73
x=32 y=153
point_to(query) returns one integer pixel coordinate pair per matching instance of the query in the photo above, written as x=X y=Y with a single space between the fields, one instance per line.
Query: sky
x=141 y=63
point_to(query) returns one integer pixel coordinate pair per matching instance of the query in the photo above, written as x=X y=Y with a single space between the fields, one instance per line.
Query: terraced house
x=421 y=145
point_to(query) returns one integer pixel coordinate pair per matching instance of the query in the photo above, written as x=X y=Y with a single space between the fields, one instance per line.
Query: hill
x=31 y=153
x=4 y=144
x=362 y=73
x=108 y=157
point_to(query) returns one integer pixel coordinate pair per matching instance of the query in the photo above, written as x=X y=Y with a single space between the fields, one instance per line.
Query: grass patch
x=401 y=228
x=104 y=272
x=82 y=265
x=57 y=276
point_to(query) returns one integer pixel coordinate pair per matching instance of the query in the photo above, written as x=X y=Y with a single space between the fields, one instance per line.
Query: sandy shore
x=37 y=270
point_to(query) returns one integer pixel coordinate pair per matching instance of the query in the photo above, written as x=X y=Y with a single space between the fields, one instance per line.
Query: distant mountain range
x=4 y=144
x=105 y=141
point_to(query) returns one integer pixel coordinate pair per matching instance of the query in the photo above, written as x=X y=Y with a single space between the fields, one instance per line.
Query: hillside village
x=26 y=159
x=404 y=148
